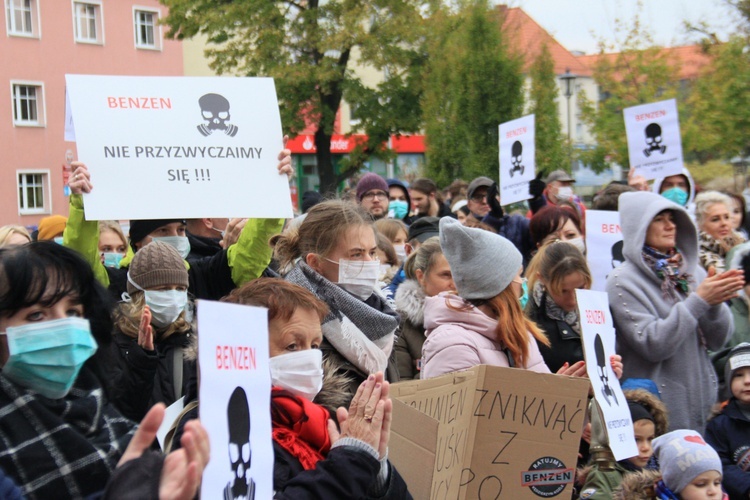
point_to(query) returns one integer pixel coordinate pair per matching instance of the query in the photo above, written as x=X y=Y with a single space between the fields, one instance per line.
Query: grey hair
x=707 y=198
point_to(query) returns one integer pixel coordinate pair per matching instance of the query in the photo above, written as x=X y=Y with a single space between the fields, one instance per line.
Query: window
x=28 y=104
x=21 y=17
x=32 y=192
x=147 y=34
x=87 y=22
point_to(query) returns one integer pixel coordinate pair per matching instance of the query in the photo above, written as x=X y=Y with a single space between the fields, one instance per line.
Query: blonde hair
x=114 y=226
x=705 y=200
x=423 y=258
x=555 y=261
x=7 y=231
x=391 y=227
x=127 y=317
x=324 y=225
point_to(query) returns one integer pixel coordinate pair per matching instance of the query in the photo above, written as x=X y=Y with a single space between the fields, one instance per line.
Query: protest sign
x=603 y=245
x=235 y=400
x=654 y=143
x=517 y=153
x=598 y=336
x=179 y=147
x=488 y=432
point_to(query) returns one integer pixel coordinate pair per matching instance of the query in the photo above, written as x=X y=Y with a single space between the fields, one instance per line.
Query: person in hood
x=399 y=201
x=484 y=323
x=667 y=311
x=679 y=188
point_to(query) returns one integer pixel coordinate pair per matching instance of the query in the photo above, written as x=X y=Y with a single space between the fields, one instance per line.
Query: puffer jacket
x=410 y=306
x=460 y=339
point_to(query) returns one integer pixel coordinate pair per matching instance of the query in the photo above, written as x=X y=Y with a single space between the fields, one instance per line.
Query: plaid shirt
x=65 y=448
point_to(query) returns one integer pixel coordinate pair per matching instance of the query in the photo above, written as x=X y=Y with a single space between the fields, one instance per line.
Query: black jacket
x=565 y=343
x=729 y=434
x=201 y=247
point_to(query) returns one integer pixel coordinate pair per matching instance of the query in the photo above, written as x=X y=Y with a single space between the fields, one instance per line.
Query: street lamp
x=569 y=83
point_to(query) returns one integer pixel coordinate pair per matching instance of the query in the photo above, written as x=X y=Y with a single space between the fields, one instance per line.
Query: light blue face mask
x=400 y=208
x=112 y=259
x=47 y=356
x=58 y=240
x=524 y=299
x=677 y=195
x=180 y=243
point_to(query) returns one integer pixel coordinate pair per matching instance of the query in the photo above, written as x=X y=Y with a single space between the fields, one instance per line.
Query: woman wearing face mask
x=333 y=253
x=484 y=323
x=153 y=331
x=61 y=436
x=556 y=223
x=717 y=235
x=113 y=246
x=427 y=274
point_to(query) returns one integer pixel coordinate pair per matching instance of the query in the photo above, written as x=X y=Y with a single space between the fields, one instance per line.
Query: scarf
x=363 y=332
x=713 y=252
x=300 y=427
x=668 y=268
x=64 y=447
x=554 y=311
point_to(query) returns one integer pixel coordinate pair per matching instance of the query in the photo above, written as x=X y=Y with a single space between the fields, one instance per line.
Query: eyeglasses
x=479 y=198
x=375 y=194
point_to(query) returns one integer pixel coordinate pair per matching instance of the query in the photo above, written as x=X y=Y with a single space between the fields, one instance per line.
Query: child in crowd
x=690 y=470
x=729 y=432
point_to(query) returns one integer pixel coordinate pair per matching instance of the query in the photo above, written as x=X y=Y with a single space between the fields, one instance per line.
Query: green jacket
x=600 y=485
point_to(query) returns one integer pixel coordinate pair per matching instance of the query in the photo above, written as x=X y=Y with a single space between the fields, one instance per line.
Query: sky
x=579 y=24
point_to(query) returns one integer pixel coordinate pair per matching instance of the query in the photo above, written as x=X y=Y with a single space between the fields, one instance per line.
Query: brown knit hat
x=156 y=264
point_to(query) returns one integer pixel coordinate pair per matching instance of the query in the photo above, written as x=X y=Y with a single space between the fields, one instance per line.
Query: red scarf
x=302 y=429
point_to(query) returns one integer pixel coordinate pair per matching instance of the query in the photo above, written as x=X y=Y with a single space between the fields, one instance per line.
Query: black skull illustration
x=516 y=157
x=601 y=362
x=238 y=416
x=215 y=110
x=653 y=139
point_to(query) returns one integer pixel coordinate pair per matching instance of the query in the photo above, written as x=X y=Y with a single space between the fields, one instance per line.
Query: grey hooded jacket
x=660 y=338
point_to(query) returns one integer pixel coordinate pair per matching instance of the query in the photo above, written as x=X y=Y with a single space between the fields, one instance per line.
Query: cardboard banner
x=517 y=159
x=178 y=147
x=598 y=335
x=603 y=245
x=235 y=400
x=488 y=432
x=654 y=142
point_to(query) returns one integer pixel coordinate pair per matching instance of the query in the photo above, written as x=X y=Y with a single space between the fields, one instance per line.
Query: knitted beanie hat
x=739 y=357
x=684 y=455
x=483 y=263
x=50 y=227
x=368 y=182
x=139 y=229
x=154 y=265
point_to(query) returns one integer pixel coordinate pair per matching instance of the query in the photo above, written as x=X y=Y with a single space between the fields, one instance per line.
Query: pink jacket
x=458 y=340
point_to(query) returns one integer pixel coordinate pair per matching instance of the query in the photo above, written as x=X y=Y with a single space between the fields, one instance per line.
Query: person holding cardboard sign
x=484 y=323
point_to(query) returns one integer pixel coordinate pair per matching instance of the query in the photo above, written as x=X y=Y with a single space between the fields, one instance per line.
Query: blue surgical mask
x=166 y=305
x=58 y=240
x=46 y=356
x=400 y=208
x=112 y=259
x=677 y=195
x=524 y=299
x=180 y=243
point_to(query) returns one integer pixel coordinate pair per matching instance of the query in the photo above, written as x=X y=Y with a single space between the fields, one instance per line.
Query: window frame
x=98 y=21
x=41 y=106
x=157 y=34
x=34 y=19
x=46 y=194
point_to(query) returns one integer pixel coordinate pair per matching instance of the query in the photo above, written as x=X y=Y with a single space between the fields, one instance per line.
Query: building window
x=147 y=34
x=21 y=16
x=28 y=104
x=87 y=22
x=32 y=192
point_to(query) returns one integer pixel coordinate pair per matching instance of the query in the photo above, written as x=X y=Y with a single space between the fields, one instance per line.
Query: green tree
x=309 y=48
x=472 y=84
x=550 y=149
x=638 y=72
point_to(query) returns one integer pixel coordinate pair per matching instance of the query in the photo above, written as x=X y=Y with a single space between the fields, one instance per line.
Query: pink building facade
x=44 y=40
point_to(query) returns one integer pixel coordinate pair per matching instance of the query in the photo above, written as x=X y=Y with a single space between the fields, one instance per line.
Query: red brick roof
x=690 y=58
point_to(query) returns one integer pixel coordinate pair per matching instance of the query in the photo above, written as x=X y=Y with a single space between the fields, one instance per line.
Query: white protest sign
x=603 y=245
x=179 y=147
x=654 y=143
x=70 y=129
x=598 y=334
x=517 y=153
x=235 y=400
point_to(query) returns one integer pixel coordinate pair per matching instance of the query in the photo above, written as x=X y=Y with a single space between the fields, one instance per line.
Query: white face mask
x=565 y=192
x=166 y=305
x=358 y=277
x=300 y=373
x=579 y=244
x=179 y=243
x=400 y=252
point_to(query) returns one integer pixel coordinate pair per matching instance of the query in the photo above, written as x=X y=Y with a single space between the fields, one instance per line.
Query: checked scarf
x=61 y=448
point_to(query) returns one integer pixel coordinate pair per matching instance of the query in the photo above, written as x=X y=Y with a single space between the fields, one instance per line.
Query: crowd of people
x=392 y=281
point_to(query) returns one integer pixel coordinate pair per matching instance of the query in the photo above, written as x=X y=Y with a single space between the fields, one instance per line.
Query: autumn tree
x=309 y=47
x=472 y=84
x=550 y=144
